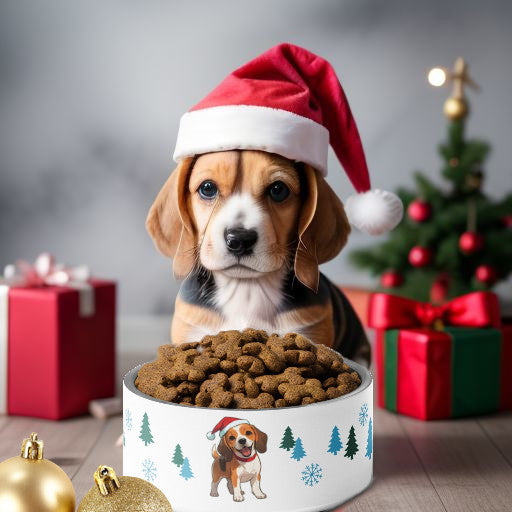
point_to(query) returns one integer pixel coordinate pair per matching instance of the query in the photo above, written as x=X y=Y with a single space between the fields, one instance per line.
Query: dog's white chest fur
x=248 y=302
x=247 y=470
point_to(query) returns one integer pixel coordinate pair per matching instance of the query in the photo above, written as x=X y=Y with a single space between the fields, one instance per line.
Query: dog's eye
x=208 y=189
x=248 y=433
x=278 y=191
x=232 y=438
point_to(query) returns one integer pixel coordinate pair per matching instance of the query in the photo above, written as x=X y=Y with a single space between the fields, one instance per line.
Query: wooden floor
x=461 y=465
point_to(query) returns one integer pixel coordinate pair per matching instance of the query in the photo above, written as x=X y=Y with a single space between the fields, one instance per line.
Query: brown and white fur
x=241 y=442
x=276 y=286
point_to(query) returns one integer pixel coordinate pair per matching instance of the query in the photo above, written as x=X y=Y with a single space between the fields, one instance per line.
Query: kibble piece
x=263 y=401
x=237 y=383
x=280 y=402
x=188 y=388
x=228 y=367
x=293 y=393
x=251 y=364
x=206 y=363
x=270 y=383
x=300 y=357
x=252 y=389
x=274 y=361
x=230 y=349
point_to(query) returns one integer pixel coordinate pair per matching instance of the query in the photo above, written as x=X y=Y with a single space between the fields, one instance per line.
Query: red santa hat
x=289 y=101
x=223 y=426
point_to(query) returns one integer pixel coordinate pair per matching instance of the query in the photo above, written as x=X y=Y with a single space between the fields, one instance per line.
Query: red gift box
x=427 y=356
x=59 y=347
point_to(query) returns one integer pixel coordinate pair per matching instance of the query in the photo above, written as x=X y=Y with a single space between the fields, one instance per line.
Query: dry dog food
x=247 y=370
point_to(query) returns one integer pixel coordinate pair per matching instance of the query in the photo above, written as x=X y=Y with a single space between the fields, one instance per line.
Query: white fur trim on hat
x=375 y=211
x=252 y=127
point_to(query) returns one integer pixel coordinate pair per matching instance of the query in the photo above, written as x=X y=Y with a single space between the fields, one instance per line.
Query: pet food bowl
x=317 y=456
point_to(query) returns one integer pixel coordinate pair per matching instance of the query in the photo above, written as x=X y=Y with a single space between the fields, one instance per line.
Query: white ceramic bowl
x=315 y=474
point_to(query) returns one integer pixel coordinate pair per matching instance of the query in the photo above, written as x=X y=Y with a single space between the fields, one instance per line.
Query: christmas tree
x=454 y=239
x=186 y=472
x=369 y=442
x=288 y=442
x=335 y=445
x=178 y=456
x=352 y=447
x=145 y=431
x=298 y=450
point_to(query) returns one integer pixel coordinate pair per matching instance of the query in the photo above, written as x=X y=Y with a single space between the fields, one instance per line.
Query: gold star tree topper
x=456 y=106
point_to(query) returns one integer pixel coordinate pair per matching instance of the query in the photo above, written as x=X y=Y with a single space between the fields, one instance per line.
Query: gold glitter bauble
x=30 y=483
x=123 y=494
x=455 y=108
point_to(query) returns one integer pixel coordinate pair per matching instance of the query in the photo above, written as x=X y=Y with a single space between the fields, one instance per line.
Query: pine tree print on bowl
x=288 y=441
x=145 y=431
x=369 y=441
x=335 y=444
x=352 y=447
x=298 y=450
x=186 y=471
x=177 y=457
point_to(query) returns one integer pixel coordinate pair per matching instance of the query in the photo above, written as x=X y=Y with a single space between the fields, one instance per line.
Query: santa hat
x=223 y=426
x=289 y=101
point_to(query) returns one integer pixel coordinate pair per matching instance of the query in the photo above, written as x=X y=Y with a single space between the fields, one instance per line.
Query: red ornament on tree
x=420 y=256
x=470 y=242
x=439 y=289
x=486 y=274
x=419 y=210
x=391 y=279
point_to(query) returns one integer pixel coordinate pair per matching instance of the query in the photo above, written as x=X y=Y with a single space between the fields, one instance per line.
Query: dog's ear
x=323 y=228
x=169 y=222
x=224 y=450
x=261 y=441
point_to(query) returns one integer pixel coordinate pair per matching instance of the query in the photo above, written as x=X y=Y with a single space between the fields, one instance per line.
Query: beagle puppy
x=247 y=231
x=236 y=459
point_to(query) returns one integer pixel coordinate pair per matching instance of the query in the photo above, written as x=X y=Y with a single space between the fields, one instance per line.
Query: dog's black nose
x=240 y=241
x=242 y=441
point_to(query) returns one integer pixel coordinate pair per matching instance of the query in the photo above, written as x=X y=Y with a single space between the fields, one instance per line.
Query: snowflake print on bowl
x=128 y=420
x=363 y=415
x=149 y=470
x=312 y=474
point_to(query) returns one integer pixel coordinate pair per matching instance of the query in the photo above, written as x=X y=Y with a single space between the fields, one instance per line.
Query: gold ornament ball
x=29 y=483
x=456 y=108
x=123 y=494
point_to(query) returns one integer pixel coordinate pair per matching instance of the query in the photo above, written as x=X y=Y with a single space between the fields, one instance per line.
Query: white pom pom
x=210 y=436
x=375 y=211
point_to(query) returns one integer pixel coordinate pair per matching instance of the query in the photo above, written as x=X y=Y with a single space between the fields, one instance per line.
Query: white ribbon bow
x=44 y=271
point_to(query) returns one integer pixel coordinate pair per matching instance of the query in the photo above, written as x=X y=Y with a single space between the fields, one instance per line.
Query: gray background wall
x=91 y=93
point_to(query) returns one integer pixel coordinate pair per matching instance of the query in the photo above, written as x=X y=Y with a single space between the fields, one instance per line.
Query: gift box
x=57 y=340
x=359 y=298
x=445 y=361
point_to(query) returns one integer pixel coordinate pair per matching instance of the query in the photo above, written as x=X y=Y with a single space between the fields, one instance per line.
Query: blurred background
x=91 y=93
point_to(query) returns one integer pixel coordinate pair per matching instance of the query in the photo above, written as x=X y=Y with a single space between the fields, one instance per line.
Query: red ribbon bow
x=477 y=309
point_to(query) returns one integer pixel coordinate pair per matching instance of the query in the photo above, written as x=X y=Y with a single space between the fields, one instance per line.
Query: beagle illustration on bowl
x=236 y=457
